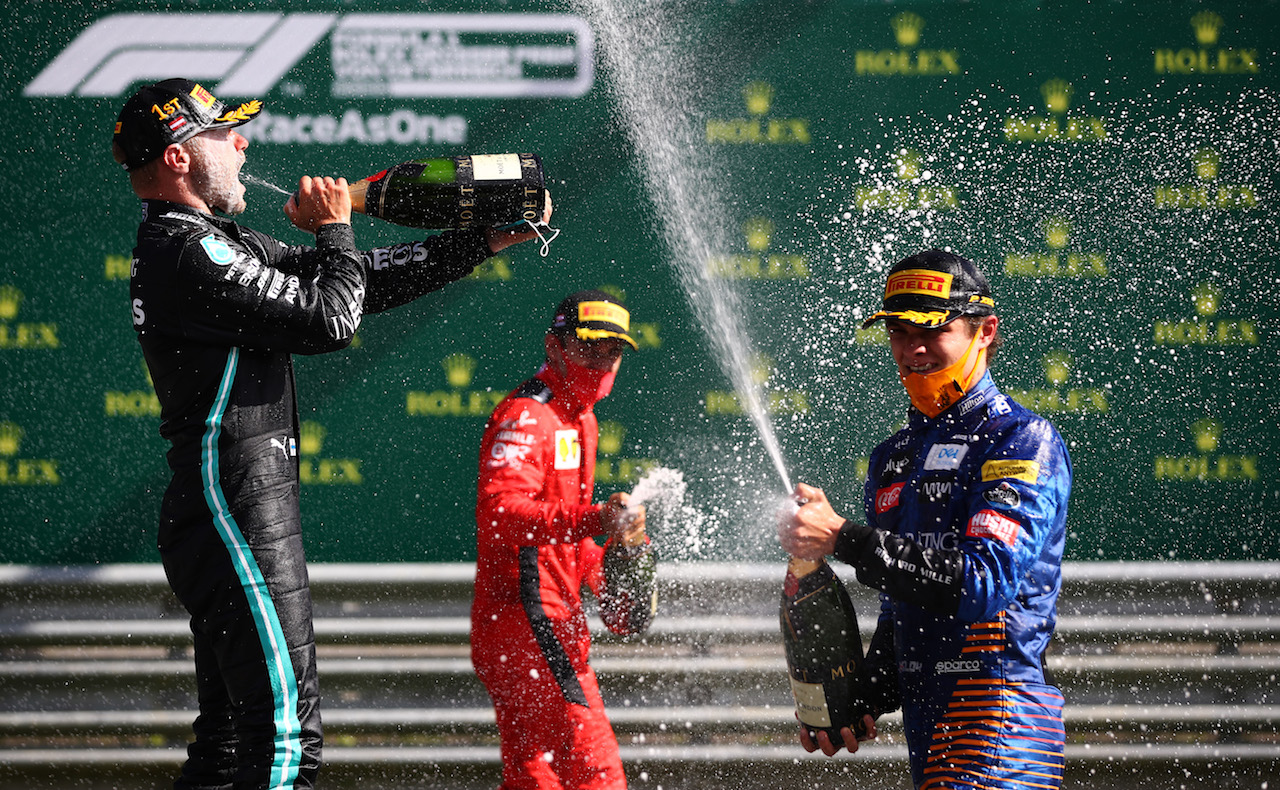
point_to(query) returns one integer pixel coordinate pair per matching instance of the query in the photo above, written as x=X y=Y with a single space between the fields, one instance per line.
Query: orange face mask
x=933 y=393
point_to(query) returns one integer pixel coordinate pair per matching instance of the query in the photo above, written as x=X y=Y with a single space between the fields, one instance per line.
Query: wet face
x=923 y=350
x=216 y=158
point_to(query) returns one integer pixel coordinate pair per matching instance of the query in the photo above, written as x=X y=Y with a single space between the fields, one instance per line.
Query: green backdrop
x=1112 y=166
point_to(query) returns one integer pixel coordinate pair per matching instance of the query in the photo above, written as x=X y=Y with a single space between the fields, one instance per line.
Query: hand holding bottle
x=621 y=521
x=810 y=532
x=848 y=739
x=318 y=201
x=501 y=238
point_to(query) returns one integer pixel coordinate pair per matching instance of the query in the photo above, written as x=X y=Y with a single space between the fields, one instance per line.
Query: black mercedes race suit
x=219 y=310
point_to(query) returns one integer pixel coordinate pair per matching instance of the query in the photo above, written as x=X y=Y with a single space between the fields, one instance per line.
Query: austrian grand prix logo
x=386 y=55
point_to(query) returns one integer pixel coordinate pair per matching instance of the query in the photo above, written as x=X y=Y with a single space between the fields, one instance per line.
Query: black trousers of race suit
x=240 y=572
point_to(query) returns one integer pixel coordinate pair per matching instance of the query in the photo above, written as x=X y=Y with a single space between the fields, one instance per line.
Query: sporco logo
x=382 y=55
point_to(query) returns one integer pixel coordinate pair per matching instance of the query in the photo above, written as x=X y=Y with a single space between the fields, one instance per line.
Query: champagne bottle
x=490 y=190
x=629 y=599
x=824 y=649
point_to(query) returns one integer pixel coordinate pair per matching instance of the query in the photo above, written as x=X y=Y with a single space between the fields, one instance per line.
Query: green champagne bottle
x=629 y=599
x=490 y=190
x=824 y=649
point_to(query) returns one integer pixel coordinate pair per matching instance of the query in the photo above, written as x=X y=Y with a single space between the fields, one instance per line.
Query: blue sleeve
x=1016 y=516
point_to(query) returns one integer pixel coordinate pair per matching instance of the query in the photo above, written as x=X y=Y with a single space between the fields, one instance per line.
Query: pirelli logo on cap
x=606 y=312
x=918 y=281
x=1011 y=469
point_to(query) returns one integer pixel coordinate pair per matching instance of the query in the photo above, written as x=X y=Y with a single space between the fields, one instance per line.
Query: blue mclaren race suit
x=966 y=519
x=219 y=310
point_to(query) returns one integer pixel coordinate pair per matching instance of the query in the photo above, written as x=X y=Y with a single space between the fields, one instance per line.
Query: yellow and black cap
x=593 y=315
x=934 y=288
x=169 y=112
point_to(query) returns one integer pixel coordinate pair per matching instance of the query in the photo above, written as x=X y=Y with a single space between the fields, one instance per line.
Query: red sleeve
x=514 y=505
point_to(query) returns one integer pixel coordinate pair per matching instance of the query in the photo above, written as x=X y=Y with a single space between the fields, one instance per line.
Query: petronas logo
x=10 y=439
x=1057 y=367
x=906 y=28
x=1206 y=162
x=1207 y=433
x=10 y=298
x=459 y=369
x=611 y=434
x=311 y=437
x=759 y=97
x=1207 y=26
x=1057 y=96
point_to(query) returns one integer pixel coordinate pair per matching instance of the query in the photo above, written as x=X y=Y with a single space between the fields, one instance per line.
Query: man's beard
x=216 y=181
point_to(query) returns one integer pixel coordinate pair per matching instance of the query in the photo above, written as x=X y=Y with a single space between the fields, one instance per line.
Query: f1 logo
x=248 y=53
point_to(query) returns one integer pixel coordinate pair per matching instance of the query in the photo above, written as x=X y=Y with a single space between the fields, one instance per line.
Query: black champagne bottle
x=824 y=649
x=490 y=190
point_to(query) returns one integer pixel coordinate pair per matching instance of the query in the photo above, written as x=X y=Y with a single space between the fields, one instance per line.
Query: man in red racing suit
x=534 y=527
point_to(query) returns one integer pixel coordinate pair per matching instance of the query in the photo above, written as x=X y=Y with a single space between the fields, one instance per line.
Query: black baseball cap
x=593 y=315
x=169 y=112
x=934 y=288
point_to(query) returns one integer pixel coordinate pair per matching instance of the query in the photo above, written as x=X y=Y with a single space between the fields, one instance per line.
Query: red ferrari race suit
x=529 y=639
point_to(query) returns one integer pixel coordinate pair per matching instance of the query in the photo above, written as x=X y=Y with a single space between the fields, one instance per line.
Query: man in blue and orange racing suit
x=219 y=310
x=966 y=509
x=535 y=524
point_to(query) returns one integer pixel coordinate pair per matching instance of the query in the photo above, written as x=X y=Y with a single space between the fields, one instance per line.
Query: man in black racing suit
x=219 y=309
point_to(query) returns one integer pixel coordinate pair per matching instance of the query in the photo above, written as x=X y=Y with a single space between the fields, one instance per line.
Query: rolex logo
x=458 y=370
x=1057 y=232
x=10 y=298
x=908 y=164
x=1057 y=95
x=1206 y=162
x=758 y=231
x=1057 y=367
x=1207 y=298
x=759 y=97
x=1207 y=433
x=906 y=28
x=311 y=437
x=10 y=439
x=611 y=433
x=1207 y=26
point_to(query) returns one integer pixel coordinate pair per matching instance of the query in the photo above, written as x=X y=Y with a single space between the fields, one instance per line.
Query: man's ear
x=176 y=158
